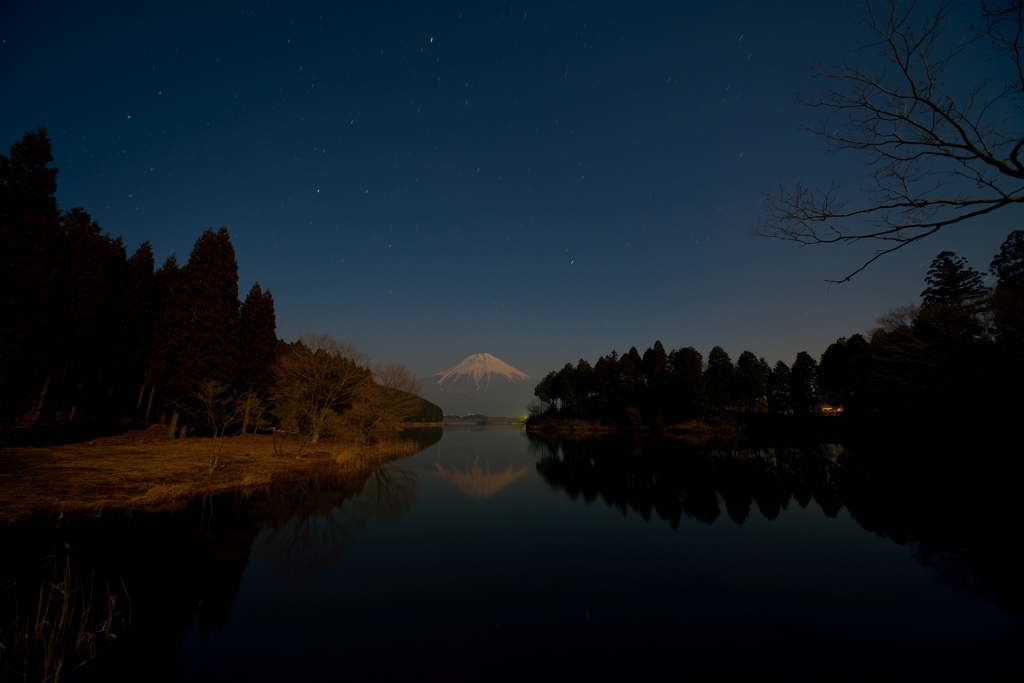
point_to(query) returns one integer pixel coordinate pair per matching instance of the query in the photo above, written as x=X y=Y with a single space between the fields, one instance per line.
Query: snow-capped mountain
x=480 y=384
x=477 y=372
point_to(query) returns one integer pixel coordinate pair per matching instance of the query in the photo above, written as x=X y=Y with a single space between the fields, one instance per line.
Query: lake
x=494 y=555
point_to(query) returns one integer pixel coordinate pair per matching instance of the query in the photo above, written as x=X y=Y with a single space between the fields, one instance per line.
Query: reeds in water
x=72 y=623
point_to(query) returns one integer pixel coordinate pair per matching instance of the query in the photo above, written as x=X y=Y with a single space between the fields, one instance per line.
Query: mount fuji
x=480 y=384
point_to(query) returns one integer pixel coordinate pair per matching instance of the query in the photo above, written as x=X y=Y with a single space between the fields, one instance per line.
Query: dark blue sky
x=540 y=181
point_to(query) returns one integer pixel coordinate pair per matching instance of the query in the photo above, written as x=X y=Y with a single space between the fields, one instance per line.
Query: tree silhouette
x=720 y=377
x=936 y=157
x=688 y=389
x=1008 y=264
x=950 y=280
x=751 y=379
x=778 y=388
x=257 y=340
x=90 y=306
x=803 y=382
x=30 y=239
x=196 y=338
x=842 y=372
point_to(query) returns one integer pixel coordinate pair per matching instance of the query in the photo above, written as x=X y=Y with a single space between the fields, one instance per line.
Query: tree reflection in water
x=313 y=522
x=959 y=514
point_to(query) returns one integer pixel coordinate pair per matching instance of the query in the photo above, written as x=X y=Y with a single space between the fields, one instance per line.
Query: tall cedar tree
x=30 y=237
x=197 y=334
x=720 y=376
x=688 y=387
x=803 y=382
x=843 y=371
x=141 y=310
x=778 y=388
x=950 y=280
x=90 y=306
x=751 y=379
x=257 y=340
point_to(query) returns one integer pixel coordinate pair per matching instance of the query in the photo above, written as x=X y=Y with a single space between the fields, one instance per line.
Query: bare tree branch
x=935 y=158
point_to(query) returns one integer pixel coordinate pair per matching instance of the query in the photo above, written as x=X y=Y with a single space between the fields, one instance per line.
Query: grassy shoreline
x=146 y=470
x=697 y=430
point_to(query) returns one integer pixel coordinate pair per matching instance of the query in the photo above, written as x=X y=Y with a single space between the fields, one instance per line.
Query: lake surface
x=493 y=555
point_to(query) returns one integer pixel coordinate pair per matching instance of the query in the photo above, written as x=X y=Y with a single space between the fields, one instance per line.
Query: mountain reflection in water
x=480 y=482
x=372 y=573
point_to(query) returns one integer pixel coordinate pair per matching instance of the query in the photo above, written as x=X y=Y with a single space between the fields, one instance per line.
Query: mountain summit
x=480 y=384
x=477 y=372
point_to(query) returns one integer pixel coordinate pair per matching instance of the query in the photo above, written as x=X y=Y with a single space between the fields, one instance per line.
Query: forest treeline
x=92 y=335
x=959 y=352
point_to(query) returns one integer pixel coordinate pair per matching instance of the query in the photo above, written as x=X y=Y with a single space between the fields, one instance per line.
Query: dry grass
x=144 y=470
x=702 y=431
x=73 y=621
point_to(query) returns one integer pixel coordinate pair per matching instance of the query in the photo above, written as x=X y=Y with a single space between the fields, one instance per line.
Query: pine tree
x=687 y=387
x=162 y=362
x=257 y=344
x=141 y=310
x=751 y=379
x=950 y=280
x=196 y=337
x=30 y=237
x=1008 y=264
x=778 y=388
x=257 y=340
x=803 y=382
x=90 y=307
x=720 y=377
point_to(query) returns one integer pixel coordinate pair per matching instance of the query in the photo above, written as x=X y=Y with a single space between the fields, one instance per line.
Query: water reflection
x=479 y=481
x=961 y=520
x=314 y=522
x=672 y=479
x=185 y=567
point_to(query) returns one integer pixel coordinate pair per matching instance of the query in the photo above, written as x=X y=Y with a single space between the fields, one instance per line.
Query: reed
x=72 y=623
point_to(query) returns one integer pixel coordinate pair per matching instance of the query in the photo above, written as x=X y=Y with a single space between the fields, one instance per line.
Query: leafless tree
x=939 y=150
x=394 y=396
x=217 y=407
x=318 y=381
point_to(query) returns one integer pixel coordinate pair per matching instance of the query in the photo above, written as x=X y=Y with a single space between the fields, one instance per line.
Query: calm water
x=490 y=555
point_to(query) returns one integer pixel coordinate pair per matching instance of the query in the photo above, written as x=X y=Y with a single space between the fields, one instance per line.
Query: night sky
x=540 y=181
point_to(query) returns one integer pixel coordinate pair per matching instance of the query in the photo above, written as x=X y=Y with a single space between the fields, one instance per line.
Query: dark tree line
x=91 y=334
x=666 y=387
x=960 y=351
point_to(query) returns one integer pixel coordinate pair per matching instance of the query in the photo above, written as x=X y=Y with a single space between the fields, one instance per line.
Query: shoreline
x=146 y=470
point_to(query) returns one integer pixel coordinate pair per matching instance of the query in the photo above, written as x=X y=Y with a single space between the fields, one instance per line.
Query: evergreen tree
x=30 y=239
x=257 y=343
x=91 y=309
x=803 y=382
x=751 y=379
x=950 y=280
x=843 y=371
x=720 y=378
x=778 y=388
x=141 y=309
x=1007 y=306
x=257 y=340
x=653 y=366
x=1008 y=264
x=687 y=387
x=197 y=334
x=584 y=384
